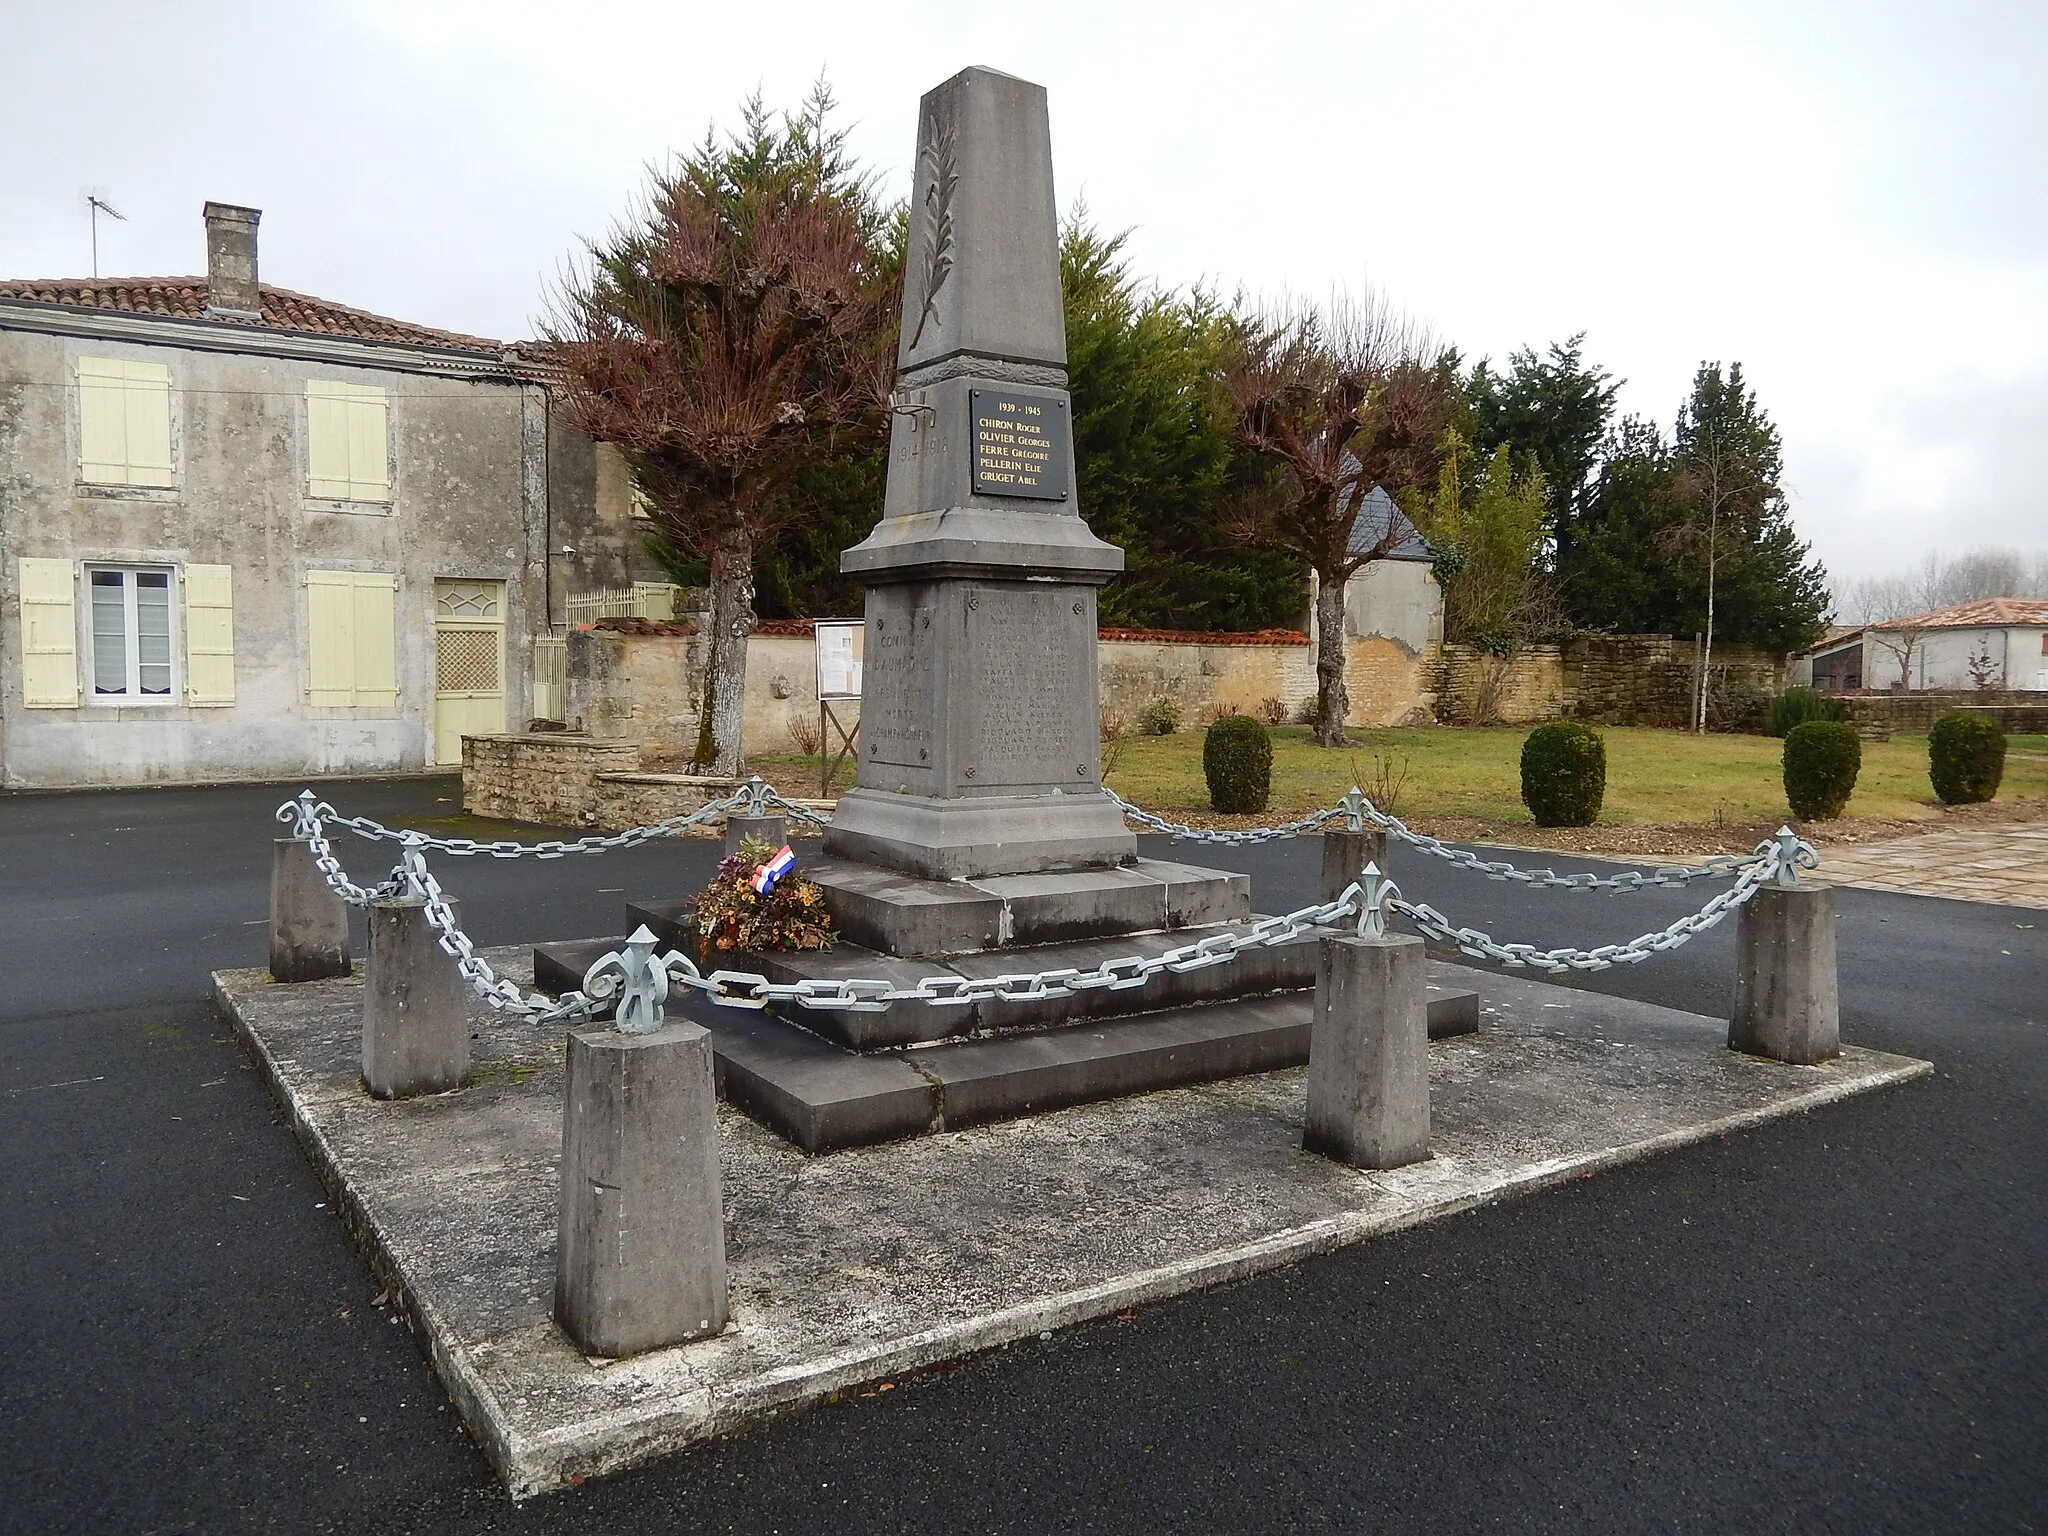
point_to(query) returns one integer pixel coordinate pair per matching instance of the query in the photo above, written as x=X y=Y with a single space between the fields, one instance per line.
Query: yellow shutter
x=124 y=422
x=376 y=641
x=368 y=480
x=210 y=635
x=330 y=639
x=102 y=422
x=49 y=634
x=346 y=449
x=327 y=440
x=149 y=424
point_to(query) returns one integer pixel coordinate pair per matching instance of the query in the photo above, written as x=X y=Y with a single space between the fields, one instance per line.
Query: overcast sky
x=1850 y=198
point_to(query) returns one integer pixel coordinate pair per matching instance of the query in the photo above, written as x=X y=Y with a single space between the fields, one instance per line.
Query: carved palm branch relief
x=939 y=171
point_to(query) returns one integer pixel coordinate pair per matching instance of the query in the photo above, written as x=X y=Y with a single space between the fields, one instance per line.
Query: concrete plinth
x=415 y=1005
x=772 y=830
x=1785 y=996
x=308 y=922
x=1368 y=1064
x=640 y=1256
x=1346 y=852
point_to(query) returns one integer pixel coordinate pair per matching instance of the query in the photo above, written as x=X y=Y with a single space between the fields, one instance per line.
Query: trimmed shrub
x=1965 y=757
x=1160 y=716
x=1564 y=774
x=1822 y=759
x=1237 y=760
x=1796 y=706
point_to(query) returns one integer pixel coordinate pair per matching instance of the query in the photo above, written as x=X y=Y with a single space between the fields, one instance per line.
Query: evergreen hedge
x=1796 y=706
x=1564 y=774
x=1822 y=759
x=1237 y=760
x=1965 y=757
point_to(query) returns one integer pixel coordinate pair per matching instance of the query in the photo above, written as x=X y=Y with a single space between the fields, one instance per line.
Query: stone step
x=824 y=1098
x=898 y=914
x=1255 y=972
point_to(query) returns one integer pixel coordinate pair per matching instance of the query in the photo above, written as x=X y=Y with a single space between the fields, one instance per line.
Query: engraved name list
x=1020 y=444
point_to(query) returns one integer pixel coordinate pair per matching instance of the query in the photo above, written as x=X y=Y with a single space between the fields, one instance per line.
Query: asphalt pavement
x=1837 y=1322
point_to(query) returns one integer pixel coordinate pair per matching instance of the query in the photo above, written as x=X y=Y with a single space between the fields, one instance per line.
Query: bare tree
x=738 y=329
x=1338 y=399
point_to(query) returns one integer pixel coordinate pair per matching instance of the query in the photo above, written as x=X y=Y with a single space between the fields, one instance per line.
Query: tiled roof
x=1990 y=613
x=185 y=298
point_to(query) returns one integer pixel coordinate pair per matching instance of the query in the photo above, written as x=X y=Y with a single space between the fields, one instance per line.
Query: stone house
x=249 y=534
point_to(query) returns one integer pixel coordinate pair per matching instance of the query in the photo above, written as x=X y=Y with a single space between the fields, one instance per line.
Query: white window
x=347 y=457
x=131 y=633
x=124 y=422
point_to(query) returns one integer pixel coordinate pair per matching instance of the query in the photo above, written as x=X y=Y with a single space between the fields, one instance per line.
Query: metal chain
x=1180 y=832
x=644 y=977
x=306 y=814
x=1768 y=865
x=1359 y=812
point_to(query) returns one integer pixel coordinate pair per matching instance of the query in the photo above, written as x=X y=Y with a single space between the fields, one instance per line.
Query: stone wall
x=1473 y=687
x=1649 y=679
x=547 y=777
x=1877 y=716
x=1206 y=674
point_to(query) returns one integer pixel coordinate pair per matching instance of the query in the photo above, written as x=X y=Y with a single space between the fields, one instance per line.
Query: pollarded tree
x=1337 y=401
x=734 y=333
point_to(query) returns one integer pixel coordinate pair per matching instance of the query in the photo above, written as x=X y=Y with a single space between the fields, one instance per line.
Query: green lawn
x=1652 y=776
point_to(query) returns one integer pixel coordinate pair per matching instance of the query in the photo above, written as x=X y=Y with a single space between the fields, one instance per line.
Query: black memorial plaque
x=1020 y=444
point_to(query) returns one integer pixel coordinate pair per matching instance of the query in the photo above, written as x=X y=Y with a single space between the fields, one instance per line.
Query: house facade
x=2000 y=642
x=248 y=534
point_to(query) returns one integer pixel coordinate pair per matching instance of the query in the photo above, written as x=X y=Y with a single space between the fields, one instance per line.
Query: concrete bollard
x=415 y=1005
x=1368 y=1060
x=1785 y=995
x=772 y=830
x=1346 y=852
x=308 y=922
x=640 y=1256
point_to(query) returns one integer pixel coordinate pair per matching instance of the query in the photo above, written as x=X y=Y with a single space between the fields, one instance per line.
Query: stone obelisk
x=980 y=738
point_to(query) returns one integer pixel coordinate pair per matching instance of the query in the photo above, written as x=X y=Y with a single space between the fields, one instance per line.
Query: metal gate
x=469 y=664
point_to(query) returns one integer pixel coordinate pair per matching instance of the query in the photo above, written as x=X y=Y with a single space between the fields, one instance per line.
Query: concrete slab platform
x=874 y=1263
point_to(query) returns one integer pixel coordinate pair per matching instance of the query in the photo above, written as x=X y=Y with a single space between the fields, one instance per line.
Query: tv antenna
x=97 y=205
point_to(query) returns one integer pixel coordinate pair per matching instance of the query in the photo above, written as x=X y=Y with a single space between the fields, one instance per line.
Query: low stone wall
x=1878 y=716
x=622 y=800
x=1207 y=675
x=546 y=777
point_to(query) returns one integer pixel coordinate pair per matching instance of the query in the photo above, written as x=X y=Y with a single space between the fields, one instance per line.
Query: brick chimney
x=231 y=262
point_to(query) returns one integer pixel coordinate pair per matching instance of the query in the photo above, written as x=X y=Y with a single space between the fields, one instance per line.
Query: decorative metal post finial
x=1374 y=892
x=642 y=984
x=1787 y=872
x=1354 y=809
x=756 y=791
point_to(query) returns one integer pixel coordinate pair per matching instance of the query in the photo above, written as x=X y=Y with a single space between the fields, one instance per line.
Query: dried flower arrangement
x=755 y=901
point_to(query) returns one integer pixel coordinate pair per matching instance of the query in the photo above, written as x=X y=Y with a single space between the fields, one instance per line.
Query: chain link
x=633 y=971
x=1359 y=811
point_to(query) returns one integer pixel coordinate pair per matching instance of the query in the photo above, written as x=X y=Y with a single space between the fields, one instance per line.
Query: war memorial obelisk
x=979 y=724
x=977 y=841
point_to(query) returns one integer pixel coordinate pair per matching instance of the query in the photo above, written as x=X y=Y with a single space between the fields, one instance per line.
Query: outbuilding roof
x=1989 y=613
x=187 y=298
